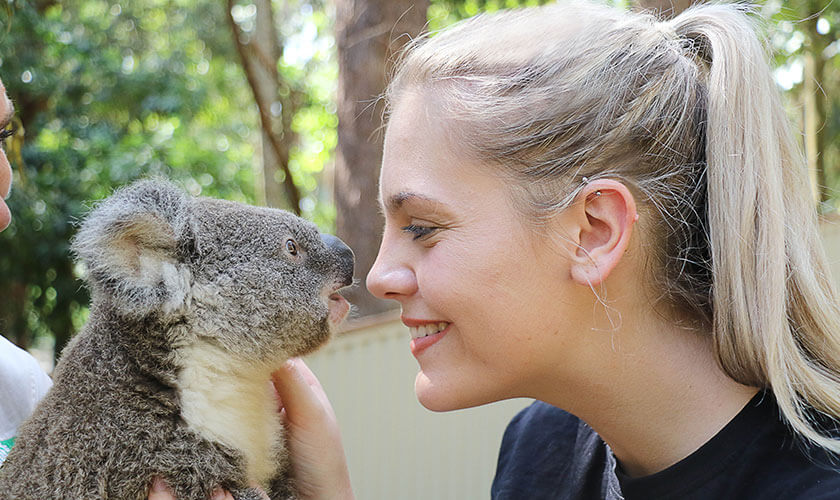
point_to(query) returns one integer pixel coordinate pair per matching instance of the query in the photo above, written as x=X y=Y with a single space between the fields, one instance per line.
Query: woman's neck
x=655 y=394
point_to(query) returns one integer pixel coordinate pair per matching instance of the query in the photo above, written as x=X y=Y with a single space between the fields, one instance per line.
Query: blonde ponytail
x=776 y=319
x=686 y=112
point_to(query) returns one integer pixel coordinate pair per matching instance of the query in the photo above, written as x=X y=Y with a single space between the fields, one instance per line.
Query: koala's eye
x=291 y=247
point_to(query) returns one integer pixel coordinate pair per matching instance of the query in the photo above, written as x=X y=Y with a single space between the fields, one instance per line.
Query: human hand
x=319 y=465
x=161 y=491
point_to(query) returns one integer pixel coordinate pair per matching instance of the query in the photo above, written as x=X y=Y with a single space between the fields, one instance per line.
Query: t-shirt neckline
x=758 y=415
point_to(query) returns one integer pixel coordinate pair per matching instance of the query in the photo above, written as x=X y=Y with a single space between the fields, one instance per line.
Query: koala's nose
x=344 y=254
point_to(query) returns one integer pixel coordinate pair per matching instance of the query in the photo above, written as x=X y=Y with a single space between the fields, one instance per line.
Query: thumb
x=301 y=395
x=314 y=439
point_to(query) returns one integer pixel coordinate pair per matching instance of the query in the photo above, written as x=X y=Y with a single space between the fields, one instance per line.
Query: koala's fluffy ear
x=136 y=247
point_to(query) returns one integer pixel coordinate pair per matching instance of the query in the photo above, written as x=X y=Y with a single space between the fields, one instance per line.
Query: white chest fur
x=226 y=402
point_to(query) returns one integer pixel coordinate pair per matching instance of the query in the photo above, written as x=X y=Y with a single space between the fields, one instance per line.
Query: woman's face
x=459 y=259
x=6 y=111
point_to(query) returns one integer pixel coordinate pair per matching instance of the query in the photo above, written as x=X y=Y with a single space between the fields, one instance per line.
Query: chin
x=447 y=397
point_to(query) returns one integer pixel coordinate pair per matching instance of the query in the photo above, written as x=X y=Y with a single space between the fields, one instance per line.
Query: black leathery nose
x=345 y=257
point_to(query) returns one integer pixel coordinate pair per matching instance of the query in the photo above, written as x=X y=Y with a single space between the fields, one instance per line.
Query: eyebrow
x=396 y=201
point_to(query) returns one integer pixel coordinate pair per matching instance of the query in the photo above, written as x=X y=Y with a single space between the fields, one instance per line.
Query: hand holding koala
x=194 y=303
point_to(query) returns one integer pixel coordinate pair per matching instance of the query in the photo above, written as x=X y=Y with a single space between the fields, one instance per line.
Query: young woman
x=609 y=214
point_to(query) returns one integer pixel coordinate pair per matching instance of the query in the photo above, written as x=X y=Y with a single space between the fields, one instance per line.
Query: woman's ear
x=603 y=218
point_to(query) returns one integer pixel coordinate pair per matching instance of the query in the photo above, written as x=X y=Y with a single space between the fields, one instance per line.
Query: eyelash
x=419 y=231
x=6 y=133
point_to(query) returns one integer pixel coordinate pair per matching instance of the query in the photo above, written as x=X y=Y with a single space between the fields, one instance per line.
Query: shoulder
x=22 y=384
x=823 y=488
x=796 y=470
x=540 y=429
x=796 y=479
x=14 y=361
x=773 y=461
x=546 y=451
x=18 y=366
x=543 y=414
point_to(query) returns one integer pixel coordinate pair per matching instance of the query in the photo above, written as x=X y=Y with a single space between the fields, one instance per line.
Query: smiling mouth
x=426 y=330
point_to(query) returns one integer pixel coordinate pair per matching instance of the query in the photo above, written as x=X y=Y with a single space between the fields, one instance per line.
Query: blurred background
x=277 y=103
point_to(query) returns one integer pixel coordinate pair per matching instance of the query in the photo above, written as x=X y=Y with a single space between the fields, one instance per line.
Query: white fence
x=396 y=449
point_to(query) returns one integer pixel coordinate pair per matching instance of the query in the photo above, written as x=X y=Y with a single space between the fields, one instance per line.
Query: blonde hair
x=687 y=114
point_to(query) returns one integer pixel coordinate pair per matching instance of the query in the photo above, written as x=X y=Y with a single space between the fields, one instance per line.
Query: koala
x=194 y=302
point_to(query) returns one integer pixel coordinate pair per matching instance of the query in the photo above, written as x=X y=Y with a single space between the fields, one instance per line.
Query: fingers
x=301 y=394
x=313 y=437
x=220 y=494
x=160 y=490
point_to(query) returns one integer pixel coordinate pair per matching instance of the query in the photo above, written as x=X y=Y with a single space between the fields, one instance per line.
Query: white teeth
x=426 y=330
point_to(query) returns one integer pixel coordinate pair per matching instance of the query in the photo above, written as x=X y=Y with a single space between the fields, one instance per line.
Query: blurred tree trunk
x=368 y=34
x=259 y=53
x=814 y=99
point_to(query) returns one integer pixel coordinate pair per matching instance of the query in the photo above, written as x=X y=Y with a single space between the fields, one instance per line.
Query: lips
x=425 y=334
x=427 y=329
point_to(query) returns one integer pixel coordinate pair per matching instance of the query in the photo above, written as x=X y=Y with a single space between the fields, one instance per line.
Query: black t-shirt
x=547 y=453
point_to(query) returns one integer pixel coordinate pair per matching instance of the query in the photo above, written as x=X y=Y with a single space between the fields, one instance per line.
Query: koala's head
x=259 y=282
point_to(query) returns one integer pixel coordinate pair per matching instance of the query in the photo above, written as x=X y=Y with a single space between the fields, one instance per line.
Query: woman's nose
x=389 y=278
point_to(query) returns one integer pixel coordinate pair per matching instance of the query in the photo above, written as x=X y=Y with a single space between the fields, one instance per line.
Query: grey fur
x=166 y=272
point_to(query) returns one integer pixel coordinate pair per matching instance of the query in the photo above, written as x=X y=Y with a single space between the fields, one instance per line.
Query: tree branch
x=292 y=191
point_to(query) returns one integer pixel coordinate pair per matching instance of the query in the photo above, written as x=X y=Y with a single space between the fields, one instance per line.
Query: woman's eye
x=419 y=231
x=291 y=247
x=6 y=133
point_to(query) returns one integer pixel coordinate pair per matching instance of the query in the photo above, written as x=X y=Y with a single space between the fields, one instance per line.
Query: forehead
x=424 y=159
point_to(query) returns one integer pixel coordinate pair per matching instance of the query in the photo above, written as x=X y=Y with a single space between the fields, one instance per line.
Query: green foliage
x=309 y=61
x=793 y=39
x=111 y=92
